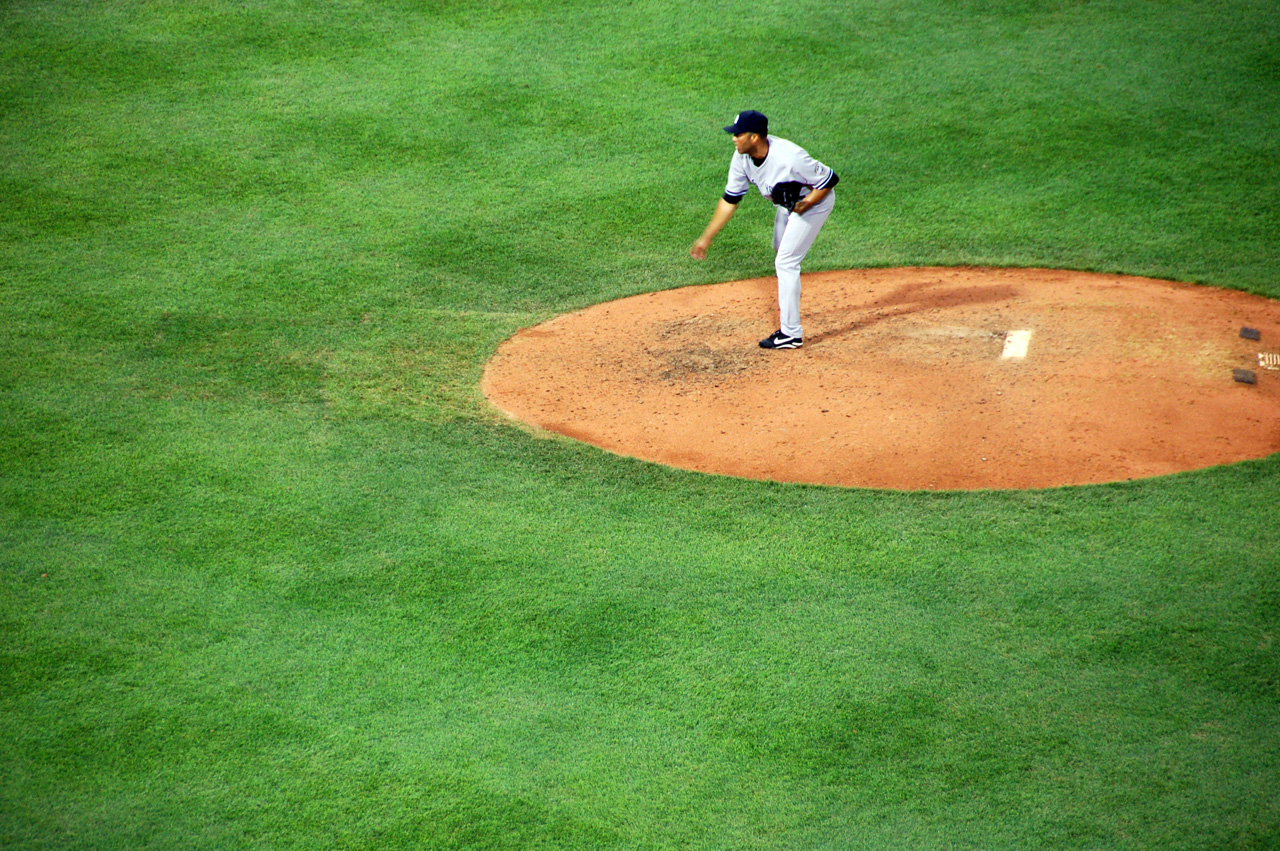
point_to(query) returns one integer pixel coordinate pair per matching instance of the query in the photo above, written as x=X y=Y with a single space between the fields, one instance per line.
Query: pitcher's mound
x=948 y=378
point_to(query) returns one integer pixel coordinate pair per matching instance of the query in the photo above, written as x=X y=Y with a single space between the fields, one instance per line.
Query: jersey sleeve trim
x=734 y=199
x=830 y=182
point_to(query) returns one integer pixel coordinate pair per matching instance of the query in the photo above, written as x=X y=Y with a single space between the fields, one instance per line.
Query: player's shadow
x=913 y=298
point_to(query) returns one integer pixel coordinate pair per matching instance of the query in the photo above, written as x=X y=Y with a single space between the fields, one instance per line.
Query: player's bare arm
x=724 y=212
x=810 y=200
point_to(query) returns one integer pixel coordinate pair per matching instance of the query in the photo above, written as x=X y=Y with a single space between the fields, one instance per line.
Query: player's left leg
x=793 y=237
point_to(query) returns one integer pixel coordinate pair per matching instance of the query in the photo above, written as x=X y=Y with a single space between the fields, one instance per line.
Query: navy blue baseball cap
x=749 y=122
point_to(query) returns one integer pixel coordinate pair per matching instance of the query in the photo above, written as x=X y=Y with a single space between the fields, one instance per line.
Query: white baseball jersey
x=786 y=161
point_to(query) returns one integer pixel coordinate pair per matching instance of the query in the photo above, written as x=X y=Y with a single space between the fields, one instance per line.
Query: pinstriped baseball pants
x=793 y=235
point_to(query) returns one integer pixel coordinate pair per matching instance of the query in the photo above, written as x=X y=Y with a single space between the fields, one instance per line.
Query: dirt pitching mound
x=912 y=378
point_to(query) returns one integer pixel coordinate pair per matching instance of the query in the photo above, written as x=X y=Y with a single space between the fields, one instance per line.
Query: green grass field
x=276 y=576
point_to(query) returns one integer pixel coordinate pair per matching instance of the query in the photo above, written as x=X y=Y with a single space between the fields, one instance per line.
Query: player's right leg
x=779 y=226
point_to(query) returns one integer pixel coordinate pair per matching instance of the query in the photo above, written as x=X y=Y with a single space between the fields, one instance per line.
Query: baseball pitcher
x=800 y=187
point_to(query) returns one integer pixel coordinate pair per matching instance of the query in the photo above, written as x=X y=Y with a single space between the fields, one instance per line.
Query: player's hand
x=698 y=251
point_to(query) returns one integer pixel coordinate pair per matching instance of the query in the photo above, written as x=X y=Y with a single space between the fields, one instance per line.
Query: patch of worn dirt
x=902 y=382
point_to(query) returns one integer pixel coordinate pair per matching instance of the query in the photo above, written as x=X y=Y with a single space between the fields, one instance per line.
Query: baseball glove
x=786 y=194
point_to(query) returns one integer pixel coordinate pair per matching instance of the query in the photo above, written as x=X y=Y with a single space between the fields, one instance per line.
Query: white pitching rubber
x=1015 y=345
